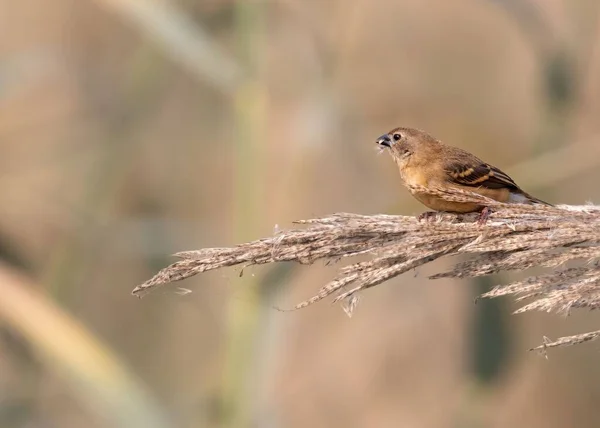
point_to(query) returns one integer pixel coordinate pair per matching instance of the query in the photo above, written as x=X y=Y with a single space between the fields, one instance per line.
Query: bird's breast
x=413 y=176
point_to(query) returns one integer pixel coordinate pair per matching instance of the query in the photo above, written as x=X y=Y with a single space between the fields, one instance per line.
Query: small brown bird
x=426 y=162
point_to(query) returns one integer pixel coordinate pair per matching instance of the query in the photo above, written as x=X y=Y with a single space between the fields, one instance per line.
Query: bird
x=425 y=163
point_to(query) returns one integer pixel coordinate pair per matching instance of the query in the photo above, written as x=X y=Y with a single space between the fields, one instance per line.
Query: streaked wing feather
x=479 y=174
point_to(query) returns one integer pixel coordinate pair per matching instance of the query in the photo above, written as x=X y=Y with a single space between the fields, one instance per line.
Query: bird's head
x=403 y=142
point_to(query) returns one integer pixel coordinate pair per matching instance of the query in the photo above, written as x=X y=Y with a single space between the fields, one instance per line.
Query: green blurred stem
x=249 y=139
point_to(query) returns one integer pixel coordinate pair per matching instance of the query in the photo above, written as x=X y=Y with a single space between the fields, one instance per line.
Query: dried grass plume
x=516 y=237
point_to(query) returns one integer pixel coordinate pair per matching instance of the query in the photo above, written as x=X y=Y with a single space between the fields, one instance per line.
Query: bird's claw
x=427 y=216
x=484 y=215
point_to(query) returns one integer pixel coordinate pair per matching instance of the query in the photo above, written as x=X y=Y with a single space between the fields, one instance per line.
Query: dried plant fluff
x=516 y=237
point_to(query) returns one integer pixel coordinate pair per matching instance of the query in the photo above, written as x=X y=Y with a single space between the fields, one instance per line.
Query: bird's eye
x=397 y=137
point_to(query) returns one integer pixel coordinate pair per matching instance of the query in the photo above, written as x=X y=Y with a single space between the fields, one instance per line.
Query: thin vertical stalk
x=249 y=146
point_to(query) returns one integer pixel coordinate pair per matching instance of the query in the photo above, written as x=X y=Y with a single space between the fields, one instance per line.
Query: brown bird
x=426 y=162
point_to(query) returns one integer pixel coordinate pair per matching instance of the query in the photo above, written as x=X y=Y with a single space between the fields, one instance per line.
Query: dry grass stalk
x=516 y=237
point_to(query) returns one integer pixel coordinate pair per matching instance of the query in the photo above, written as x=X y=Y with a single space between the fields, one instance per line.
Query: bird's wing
x=475 y=173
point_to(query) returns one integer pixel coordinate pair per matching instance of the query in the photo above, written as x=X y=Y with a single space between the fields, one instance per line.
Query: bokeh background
x=132 y=129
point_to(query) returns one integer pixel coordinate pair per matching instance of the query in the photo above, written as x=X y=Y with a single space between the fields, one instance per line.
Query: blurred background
x=132 y=129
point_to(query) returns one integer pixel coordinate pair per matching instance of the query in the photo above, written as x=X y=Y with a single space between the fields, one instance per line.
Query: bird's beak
x=384 y=140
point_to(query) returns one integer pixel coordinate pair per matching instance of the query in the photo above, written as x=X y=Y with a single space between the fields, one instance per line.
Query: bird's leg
x=484 y=215
x=428 y=216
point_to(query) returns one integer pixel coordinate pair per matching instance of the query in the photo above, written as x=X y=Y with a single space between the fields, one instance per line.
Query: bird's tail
x=534 y=200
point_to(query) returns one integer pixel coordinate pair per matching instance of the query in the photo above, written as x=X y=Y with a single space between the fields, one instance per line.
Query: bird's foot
x=484 y=215
x=428 y=216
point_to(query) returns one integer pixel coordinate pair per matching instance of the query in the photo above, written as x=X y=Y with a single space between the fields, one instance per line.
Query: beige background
x=131 y=129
